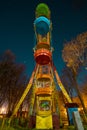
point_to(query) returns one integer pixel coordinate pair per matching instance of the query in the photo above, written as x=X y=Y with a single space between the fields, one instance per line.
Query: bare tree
x=12 y=79
x=75 y=52
x=67 y=80
x=75 y=55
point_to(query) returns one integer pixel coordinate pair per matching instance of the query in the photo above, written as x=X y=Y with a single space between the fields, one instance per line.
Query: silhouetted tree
x=12 y=79
x=67 y=80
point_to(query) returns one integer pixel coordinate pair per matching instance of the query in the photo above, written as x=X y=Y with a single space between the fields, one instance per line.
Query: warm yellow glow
x=65 y=113
x=80 y=109
x=3 y=110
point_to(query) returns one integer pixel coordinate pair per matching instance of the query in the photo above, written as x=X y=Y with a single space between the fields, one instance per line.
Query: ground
x=17 y=127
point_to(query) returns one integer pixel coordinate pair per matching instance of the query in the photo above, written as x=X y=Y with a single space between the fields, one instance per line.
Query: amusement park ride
x=44 y=101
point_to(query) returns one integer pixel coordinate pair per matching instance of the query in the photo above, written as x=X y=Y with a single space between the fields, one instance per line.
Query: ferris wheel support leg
x=62 y=87
x=23 y=96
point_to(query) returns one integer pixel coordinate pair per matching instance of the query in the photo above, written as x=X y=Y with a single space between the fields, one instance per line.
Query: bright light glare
x=3 y=110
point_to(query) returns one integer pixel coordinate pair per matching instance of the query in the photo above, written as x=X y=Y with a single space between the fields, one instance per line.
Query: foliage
x=71 y=127
x=75 y=52
x=75 y=55
x=12 y=79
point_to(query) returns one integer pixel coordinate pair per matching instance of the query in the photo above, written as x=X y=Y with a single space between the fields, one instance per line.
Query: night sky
x=69 y=18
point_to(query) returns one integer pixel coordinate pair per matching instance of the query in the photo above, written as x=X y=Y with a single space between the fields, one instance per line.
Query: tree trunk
x=78 y=92
x=80 y=96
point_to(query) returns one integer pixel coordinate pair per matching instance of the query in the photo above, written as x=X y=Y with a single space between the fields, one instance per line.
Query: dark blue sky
x=69 y=18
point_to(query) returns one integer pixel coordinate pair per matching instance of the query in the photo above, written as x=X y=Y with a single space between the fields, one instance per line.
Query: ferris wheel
x=44 y=101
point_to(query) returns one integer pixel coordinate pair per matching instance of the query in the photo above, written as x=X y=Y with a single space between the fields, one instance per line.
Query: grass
x=19 y=128
x=73 y=128
x=85 y=127
x=12 y=128
x=5 y=126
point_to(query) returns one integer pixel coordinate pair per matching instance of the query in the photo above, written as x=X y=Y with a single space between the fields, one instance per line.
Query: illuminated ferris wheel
x=44 y=101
